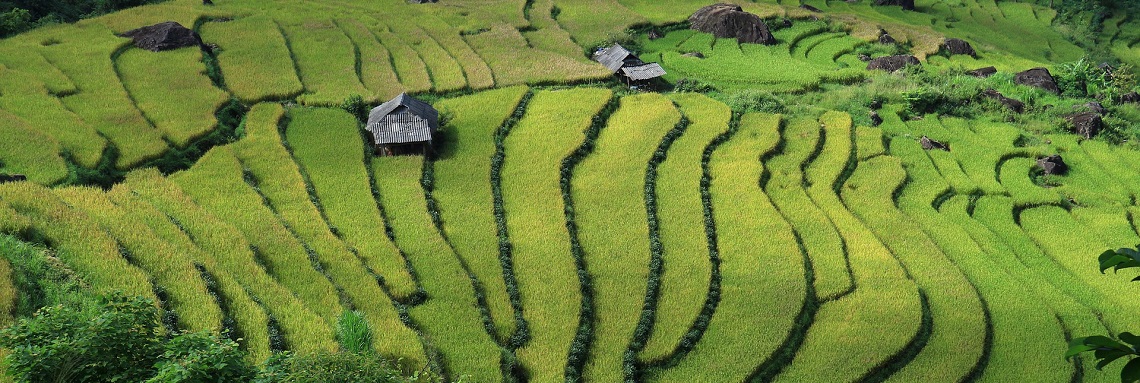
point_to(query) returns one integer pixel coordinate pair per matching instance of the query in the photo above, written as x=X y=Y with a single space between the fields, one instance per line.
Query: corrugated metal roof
x=613 y=58
x=402 y=119
x=643 y=72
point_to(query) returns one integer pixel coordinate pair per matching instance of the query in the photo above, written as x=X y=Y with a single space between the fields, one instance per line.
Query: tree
x=1107 y=350
x=202 y=357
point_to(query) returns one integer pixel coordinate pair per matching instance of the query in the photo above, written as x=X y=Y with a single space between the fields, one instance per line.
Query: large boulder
x=164 y=36
x=1086 y=124
x=892 y=63
x=983 y=72
x=1052 y=164
x=887 y=39
x=905 y=4
x=1093 y=106
x=1038 y=77
x=959 y=47
x=1130 y=98
x=731 y=21
x=1011 y=104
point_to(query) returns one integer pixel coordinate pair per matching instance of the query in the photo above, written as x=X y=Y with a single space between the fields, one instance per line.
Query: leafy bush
x=692 y=85
x=755 y=101
x=355 y=106
x=115 y=341
x=202 y=357
x=334 y=368
x=353 y=333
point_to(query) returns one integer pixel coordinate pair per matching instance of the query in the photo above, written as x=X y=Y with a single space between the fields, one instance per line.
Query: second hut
x=627 y=66
x=403 y=125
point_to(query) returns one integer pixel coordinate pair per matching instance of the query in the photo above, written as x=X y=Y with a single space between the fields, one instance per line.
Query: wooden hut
x=403 y=125
x=627 y=66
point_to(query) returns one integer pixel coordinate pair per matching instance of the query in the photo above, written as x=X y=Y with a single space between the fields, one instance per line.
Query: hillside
x=773 y=217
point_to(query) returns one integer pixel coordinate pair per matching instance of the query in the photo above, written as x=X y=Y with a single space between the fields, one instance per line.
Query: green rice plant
x=410 y=68
x=803 y=47
x=184 y=12
x=216 y=183
x=446 y=73
x=513 y=62
x=23 y=150
x=868 y=142
x=828 y=52
x=1114 y=161
x=328 y=147
x=1012 y=321
x=979 y=153
x=870 y=332
x=450 y=317
x=550 y=130
x=1071 y=314
x=325 y=60
x=784 y=184
x=282 y=184
x=593 y=22
x=304 y=331
x=374 y=62
x=8 y=293
x=946 y=163
x=1086 y=182
x=463 y=192
x=685 y=277
x=610 y=206
x=1062 y=237
x=79 y=242
x=170 y=270
x=476 y=73
x=83 y=55
x=255 y=58
x=172 y=91
x=353 y=332
x=547 y=34
x=756 y=273
x=955 y=349
x=1015 y=177
x=27 y=98
x=242 y=316
x=28 y=60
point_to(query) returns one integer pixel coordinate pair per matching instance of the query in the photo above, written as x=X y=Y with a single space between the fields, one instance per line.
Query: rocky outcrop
x=731 y=21
x=983 y=72
x=164 y=36
x=892 y=63
x=905 y=4
x=887 y=39
x=1011 y=104
x=1086 y=124
x=1038 y=77
x=1130 y=98
x=959 y=47
x=1053 y=164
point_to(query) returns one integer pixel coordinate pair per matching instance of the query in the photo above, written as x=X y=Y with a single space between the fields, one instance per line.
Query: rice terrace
x=569 y=191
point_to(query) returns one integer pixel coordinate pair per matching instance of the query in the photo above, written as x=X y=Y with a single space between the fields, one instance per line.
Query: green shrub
x=334 y=368
x=353 y=332
x=202 y=357
x=755 y=101
x=114 y=341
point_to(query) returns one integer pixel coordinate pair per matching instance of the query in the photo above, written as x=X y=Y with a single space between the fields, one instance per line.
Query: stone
x=983 y=72
x=1086 y=124
x=163 y=36
x=1038 y=77
x=1013 y=105
x=731 y=21
x=1130 y=98
x=810 y=8
x=695 y=54
x=887 y=39
x=959 y=47
x=930 y=144
x=876 y=120
x=905 y=4
x=864 y=57
x=1053 y=164
x=892 y=63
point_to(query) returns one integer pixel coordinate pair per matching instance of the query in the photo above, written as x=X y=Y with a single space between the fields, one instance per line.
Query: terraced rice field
x=569 y=232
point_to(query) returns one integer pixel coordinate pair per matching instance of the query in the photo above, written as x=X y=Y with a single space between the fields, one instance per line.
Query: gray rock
x=959 y=47
x=892 y=63
x=1086 y=124
x=983 y=72
x=1053 y=164
x=731 y=21
x=1038 y=77
x=887 y=39
x=930 y=144
x=1013 y=105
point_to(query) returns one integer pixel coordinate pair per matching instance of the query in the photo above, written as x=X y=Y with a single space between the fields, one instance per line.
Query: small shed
x=403 y=125
x=627 y=66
